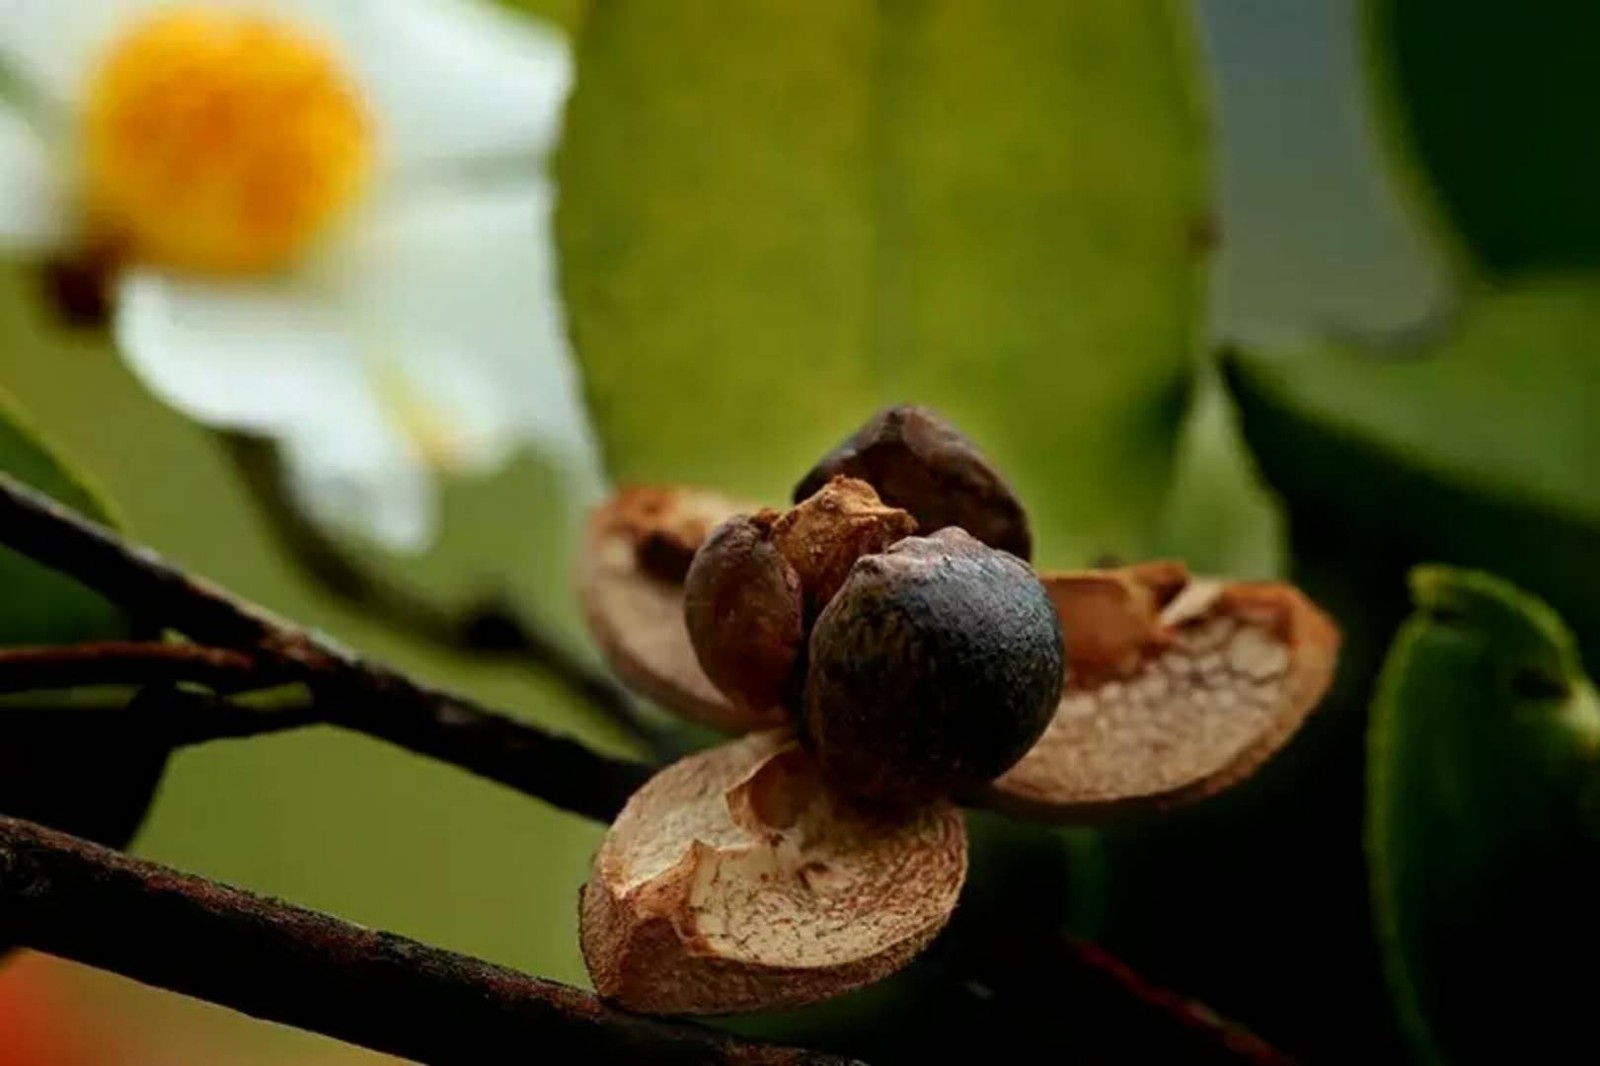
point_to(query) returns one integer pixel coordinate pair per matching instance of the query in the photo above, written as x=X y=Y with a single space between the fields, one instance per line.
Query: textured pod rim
x=637 y=617
x=1177 y=688
x=735 y=880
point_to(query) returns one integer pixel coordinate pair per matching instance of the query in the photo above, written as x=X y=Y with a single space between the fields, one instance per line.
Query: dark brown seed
x=919 y=462
x=935 y=668
x=745 y=613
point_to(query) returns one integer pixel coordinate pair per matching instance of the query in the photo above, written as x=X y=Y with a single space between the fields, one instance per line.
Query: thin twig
x=156 y=716
x=183 y=718
x=272 y=960
x=352 y=691
x=484 y=629
x=1108 y=1011
x=1140 y=998
x=25 y=669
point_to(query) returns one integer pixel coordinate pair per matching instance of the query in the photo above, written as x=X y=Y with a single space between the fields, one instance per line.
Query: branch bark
x=27 y=669
x=271 y=960
x=351 y=691
x=1102 y=1009
x=486 y=629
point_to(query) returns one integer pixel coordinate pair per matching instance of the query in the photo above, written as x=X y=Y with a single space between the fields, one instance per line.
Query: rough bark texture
x=269 y=959
x=486 y=627
x=351 y=691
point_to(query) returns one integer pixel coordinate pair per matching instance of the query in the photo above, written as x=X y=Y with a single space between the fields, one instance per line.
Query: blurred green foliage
x=41 y=606
x=1494 y=108
x=1484 y=823
x=1464 y=440
x=777 y=217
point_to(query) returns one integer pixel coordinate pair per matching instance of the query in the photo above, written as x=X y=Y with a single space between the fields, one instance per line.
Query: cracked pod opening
x=639 y=547
x=1176 y=688
x=735 y=881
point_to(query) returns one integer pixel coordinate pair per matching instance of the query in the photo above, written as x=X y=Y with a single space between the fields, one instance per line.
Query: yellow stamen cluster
x=220 y=142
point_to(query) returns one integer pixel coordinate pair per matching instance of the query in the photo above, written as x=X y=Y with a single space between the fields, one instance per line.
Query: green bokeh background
x=1311 y=233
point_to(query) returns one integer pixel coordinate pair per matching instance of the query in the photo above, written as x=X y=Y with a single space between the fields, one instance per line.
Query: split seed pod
x=734 y=880
x=634 y=604
x=917 y=461
x=1176 y=689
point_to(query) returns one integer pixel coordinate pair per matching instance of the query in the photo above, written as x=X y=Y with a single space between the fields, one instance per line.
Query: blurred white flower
x=329 y=222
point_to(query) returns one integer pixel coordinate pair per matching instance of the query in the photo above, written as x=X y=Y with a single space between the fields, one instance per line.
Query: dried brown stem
x=24 y=669
x=487 y=628
x=1108 y=1011
x=80 y=901
x=352 y=691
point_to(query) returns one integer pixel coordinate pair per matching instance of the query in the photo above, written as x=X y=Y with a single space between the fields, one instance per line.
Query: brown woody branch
x=272 y=960
x=486 y=628
x=350 y=691
x=25 y=669
x=159 y=716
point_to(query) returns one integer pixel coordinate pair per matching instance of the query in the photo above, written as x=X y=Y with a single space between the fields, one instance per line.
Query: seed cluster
x=915 y=665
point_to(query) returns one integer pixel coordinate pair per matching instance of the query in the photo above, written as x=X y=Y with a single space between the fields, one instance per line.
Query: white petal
x=53 y=44
x=457 y=292
x=34 y=215
x=453 y=80
x=239 y=355
x=278 y=359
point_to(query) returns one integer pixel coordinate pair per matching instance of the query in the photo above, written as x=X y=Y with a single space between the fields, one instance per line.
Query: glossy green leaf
x=1474 y=447
x=1493 y=106
x=40 y=606
x=777 y=215
x=1484 y=824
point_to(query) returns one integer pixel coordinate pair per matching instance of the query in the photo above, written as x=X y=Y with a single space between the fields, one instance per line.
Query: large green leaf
x=1484 y=824
x=778 y=214
x=1474 y=447
x=1493 y=105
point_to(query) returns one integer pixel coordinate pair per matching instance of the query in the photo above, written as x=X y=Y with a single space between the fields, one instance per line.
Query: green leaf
x=1219 y=516
x=1493 y=105
x=1484 y=823
x=41 y=606
x=1470 y=447
x=62 y=763
x=778 y=215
